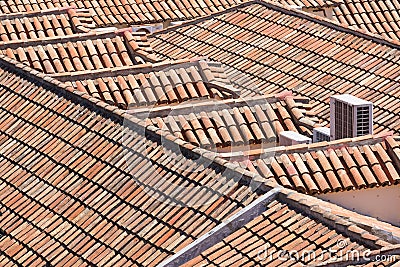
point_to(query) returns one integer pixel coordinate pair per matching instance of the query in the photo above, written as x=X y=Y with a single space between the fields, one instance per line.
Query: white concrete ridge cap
x=223 y=230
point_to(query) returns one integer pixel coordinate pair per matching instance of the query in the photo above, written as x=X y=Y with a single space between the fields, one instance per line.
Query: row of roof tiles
x=155 y=84
x=127 y=12
x=68 y=188
x=380 y=17
x=73 y=193
x=308 y=55
x=45 y=23
x=351 y=164
x=373 y=16
x=244 y=122
x=81 y=52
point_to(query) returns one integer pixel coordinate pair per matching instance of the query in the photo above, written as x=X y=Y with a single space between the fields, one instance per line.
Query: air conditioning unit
x=350 y=117
x=321 y=134
x=289 y=138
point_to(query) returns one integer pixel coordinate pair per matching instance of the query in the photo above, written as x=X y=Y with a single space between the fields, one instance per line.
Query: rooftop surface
x=86 y=180
x=381 y=17
x=128 y=12
x=279 y=49
x=121 y=150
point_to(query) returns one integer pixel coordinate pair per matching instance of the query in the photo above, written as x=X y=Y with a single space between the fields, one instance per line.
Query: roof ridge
x=298 y=13
x=113 y=112
x=221 y=231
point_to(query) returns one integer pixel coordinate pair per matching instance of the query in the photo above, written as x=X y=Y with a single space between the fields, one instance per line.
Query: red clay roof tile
x=226 y=123
x=309 y=55
x=282 y=227
x=330 y=167
x=374 y=16
x=128 y=12
x=67 y=195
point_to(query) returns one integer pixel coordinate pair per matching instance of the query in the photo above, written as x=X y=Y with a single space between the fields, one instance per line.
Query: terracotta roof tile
x=45 y=23
x=67 y=195
x=128 y=12
x=221 y=124
x=323 y=168
x=307 y=54
x=374 y=16
x=286 y=226
x=81 y=52
x=153 y=84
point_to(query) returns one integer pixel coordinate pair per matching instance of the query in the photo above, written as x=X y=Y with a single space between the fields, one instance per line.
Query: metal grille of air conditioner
x=343 y=120
x=363 y=120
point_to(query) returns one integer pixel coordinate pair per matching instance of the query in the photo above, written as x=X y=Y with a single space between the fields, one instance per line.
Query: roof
x=115 y=12
x=81 y=52
x=45 y=23
x=308 y=3
x=346 y=164
x=80 y=180
x=244 y=123
x=381 y=17
x=83 y=182
x=280 y=49
x=281 y=226
x=164 y=83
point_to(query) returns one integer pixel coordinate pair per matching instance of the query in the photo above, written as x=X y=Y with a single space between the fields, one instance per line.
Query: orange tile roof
x=280 y=49
x=73 y=192
x=81 y=52
x=46 y=23
x=164 y=83
x=382 y=17
x=280 y=228
x=128 y=12
x=242 y=122
x=341 y=165
x=288 y=223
